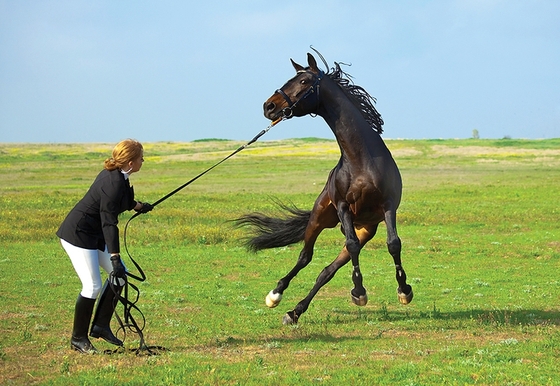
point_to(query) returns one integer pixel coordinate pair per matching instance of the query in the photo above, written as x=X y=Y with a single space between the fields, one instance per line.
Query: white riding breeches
x=86 y=262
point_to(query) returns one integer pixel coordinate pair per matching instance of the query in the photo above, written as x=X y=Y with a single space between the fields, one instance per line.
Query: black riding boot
x=100 y=328
x=82 y=317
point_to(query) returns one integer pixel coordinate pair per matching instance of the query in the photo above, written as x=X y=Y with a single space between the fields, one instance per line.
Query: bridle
x=287 y=112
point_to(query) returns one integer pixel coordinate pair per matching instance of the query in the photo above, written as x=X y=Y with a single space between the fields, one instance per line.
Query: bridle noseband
x=287 y=112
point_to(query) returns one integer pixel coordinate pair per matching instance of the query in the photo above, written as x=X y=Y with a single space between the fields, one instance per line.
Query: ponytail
x=124 y=152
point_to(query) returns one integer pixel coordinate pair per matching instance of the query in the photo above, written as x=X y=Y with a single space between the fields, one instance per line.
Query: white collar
x=125 y=174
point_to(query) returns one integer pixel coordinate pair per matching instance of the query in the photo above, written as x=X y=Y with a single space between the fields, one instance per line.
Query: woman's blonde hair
x=124 y=152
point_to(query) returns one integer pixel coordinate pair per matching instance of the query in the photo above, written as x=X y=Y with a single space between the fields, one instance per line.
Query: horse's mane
x=360 y=97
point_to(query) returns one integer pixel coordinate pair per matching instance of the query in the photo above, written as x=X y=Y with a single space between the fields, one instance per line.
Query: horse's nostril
x=269 y=106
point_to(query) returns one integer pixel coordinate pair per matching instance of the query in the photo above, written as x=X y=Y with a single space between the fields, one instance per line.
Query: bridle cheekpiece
x=287 y=112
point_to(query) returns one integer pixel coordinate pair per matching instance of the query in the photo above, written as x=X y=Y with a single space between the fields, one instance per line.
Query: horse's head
x=299 y=96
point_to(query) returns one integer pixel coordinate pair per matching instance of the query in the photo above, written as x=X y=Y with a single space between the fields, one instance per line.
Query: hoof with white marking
x=273 y=299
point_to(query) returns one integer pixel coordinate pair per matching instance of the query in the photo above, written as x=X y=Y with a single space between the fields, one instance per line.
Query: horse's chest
x=360 y=193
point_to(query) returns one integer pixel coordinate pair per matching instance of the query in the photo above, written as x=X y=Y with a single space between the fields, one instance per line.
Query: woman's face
x=136 y=164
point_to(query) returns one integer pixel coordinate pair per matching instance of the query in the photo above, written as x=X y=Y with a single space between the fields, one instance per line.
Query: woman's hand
x=144 y=207
x=118 y=267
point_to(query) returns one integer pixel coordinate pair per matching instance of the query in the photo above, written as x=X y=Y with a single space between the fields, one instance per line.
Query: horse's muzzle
x=277 y=106
x=269 y=109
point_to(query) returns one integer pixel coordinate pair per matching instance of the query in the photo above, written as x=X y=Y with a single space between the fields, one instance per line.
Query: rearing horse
x=363 y=189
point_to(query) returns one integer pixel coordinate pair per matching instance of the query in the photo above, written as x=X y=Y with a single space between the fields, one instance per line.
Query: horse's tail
x=271 y=232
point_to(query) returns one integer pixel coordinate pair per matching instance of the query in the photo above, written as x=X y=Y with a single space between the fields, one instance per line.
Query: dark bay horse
x=363 y=189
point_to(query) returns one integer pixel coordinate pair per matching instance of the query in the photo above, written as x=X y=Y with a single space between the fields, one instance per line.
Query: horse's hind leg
x=323 y=216
x=404 y=291
x=354 y=242
x=275 y=296
x=359 y=296
x=324 y=277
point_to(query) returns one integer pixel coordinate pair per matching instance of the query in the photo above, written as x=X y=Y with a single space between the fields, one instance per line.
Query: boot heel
x=82 y=317
x=105 y=308
x=106 y=334
x=83 y=345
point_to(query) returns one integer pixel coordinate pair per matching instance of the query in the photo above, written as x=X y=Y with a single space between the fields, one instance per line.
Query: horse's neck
x=353 y=133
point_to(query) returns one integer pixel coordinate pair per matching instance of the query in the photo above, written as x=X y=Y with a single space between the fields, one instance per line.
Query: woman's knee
x=92 y=290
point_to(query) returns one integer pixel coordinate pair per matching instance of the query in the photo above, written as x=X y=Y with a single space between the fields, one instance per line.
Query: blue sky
x=101 y=71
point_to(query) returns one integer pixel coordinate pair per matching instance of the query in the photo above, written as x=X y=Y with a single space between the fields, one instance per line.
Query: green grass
x=481 y=247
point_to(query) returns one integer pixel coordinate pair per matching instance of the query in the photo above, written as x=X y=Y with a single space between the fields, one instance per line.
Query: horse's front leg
x=364 y=234
x=404 y=291
x=353 y=246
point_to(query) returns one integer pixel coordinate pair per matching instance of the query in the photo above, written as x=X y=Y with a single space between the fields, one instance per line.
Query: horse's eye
x=303 y=81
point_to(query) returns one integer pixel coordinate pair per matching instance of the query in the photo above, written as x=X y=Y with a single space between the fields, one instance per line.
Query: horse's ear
x=312 y=63
x=297 y=66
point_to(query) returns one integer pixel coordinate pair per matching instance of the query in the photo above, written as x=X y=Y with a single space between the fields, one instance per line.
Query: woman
x=90 y=237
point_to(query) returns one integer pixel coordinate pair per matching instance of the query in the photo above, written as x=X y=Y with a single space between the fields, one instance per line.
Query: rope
x=128 y=322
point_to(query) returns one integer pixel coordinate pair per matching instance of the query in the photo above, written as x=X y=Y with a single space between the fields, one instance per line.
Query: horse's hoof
x=290 y=319
x=360 y=301
x=405 y=298
x=273 y=299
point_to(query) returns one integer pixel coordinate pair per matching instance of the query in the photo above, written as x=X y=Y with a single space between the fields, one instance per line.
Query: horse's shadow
x=496 y=317
x=319 y=330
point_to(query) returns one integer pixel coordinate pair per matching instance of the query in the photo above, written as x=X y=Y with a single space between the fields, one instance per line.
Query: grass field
x=480 y=229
